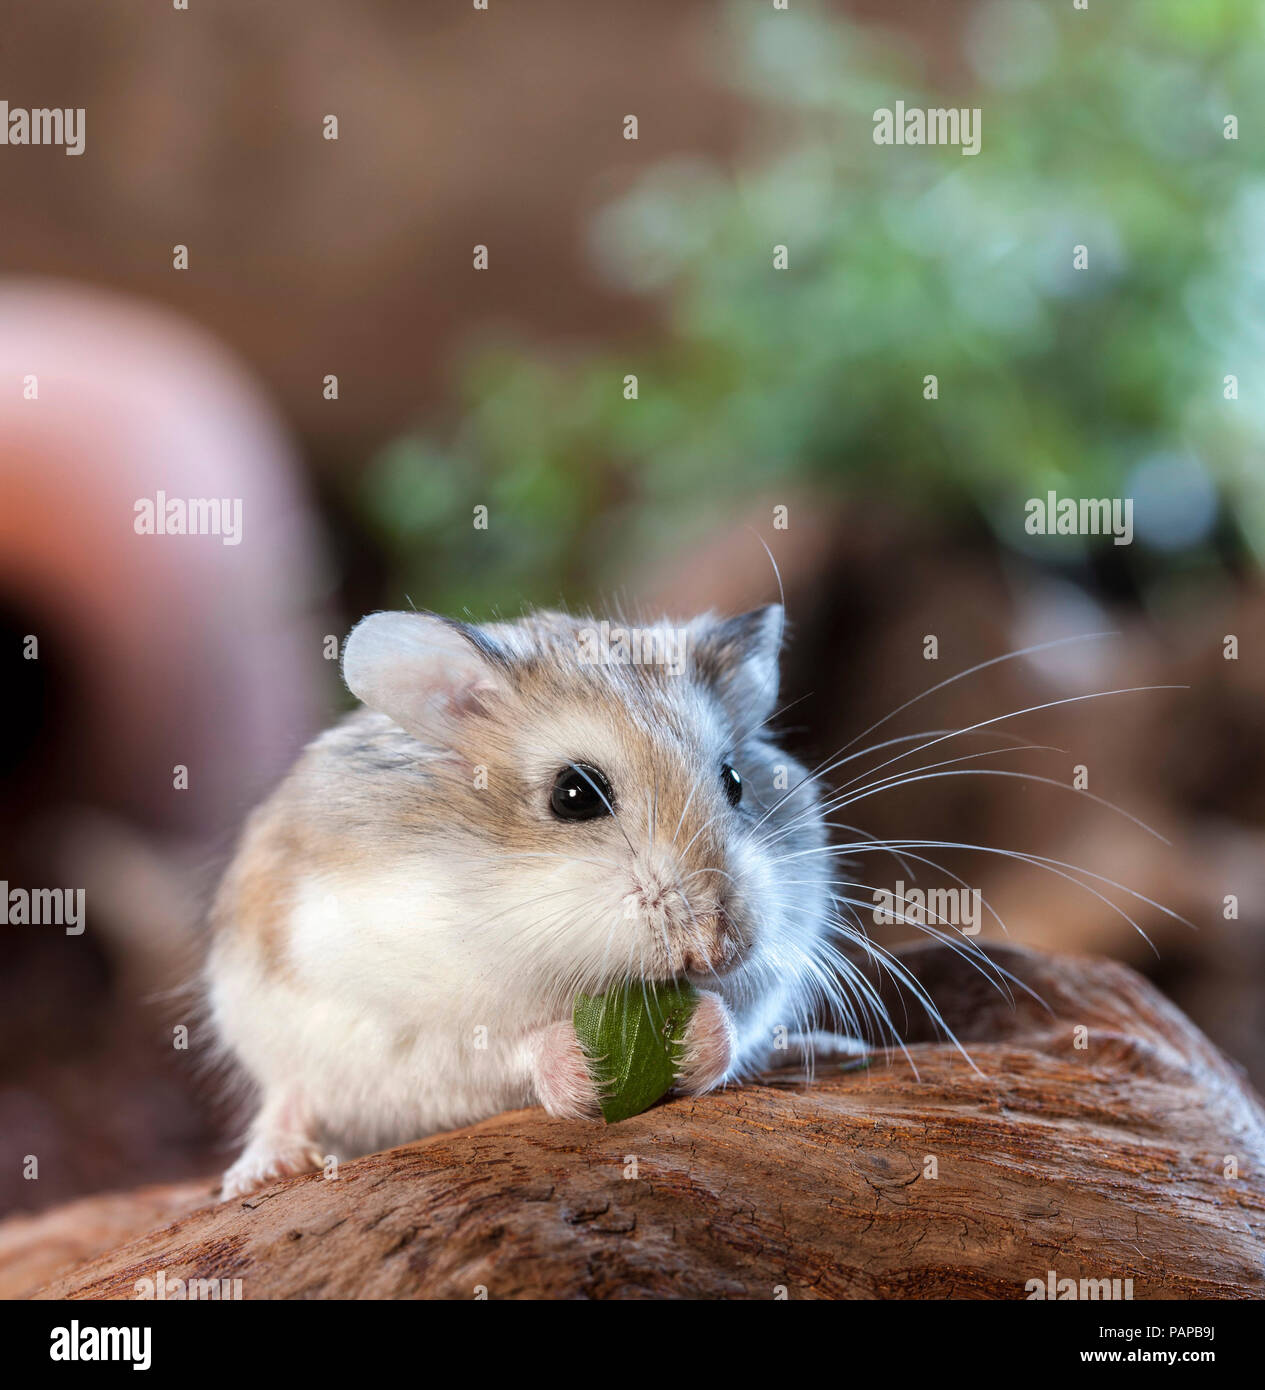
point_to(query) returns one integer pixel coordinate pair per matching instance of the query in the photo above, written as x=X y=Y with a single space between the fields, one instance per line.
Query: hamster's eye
x=732 y=783
x=581 y=792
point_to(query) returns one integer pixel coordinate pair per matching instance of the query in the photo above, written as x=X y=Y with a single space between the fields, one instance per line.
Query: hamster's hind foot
x=258 y=1166
x=279 y=1147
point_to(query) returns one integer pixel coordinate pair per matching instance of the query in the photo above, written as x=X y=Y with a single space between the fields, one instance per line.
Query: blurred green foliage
x=1103 y=128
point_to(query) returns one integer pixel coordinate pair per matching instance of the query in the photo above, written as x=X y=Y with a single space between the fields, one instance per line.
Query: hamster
x=519 y=812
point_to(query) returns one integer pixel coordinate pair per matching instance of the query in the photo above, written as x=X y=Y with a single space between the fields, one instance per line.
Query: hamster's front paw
x=708 y=1045
x=560 y=1073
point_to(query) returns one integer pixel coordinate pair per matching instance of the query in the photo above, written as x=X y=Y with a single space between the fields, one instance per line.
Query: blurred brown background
x=310 y=257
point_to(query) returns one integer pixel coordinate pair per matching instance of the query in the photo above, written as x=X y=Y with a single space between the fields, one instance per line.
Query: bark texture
x=1139 y=1155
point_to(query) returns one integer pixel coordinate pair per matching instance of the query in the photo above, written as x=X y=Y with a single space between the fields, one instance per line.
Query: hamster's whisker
x=825 y=767
x=906 y=867
x=518 y=907
x=997 y=975
x=709 y=869
x=752 y=729
x=972 y=670
x=940 y=868
x=900 y=975
x=815 y=808
x=845 y=788
x=538 y=924
x=1015 y=714
x=601 y=971
x=698 y=780
x=844 y=989
x=1056 y=866
x=535 y=925
x=772 y=676
x=654 y=809
x=890 y=784
x=710 y=821
x=841 y=798
x=964 y=946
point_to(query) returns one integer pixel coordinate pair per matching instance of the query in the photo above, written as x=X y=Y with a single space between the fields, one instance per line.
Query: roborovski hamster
x=520 y=812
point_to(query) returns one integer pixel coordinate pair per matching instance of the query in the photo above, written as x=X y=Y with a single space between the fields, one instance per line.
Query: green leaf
x=632 y=1037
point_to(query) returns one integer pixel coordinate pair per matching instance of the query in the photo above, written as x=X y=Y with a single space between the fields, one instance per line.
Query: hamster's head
x=610 y=797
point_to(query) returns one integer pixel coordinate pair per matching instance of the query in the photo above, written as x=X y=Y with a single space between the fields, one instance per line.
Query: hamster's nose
x=711 y=944
x=650 y=896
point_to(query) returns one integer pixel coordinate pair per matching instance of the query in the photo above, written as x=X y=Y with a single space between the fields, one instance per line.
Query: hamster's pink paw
x=260 y=1165
x=560 y=1073
x=708 y=1045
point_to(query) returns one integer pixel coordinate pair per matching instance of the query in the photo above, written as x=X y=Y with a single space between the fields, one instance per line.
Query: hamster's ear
x=422 y=670
x=738 y=657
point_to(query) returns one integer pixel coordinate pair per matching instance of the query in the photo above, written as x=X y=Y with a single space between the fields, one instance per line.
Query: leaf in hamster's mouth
x=632 y=1038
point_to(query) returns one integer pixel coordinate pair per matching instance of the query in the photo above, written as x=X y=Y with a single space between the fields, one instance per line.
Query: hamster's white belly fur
x=314 y=1023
